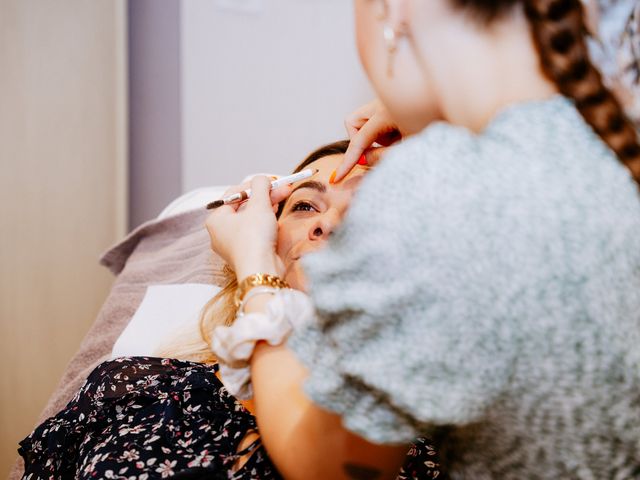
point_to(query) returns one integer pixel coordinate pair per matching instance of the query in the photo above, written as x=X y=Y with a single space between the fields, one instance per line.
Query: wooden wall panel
x=62 y=190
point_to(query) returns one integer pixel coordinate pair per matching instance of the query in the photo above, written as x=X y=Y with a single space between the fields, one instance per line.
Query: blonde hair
x=194 y=345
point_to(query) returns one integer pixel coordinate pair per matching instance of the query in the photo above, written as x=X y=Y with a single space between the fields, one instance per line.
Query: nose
x=324 y=225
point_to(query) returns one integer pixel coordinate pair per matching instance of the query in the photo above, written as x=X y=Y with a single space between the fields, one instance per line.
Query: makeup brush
x=245 y=194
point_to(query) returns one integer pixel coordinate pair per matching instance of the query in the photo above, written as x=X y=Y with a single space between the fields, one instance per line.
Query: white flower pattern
x=144 y=418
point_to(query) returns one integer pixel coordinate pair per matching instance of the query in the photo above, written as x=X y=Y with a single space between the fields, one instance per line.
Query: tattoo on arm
x=361 y=472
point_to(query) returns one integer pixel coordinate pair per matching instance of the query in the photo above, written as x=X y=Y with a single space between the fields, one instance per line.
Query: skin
x=314 y=209
x=446 y=67
x=299 y=436
x=310 y=214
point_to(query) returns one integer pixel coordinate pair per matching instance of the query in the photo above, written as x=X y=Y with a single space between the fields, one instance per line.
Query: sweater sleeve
x=409 y=293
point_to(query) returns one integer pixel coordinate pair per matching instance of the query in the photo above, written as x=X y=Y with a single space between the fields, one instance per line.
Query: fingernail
x=332 y=178
x=363 y=160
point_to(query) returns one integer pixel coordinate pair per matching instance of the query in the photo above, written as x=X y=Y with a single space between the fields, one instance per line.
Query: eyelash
x=301 y=203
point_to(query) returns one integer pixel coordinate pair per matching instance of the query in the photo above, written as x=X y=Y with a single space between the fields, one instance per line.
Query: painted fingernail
x=363 y=160
x=332 y=178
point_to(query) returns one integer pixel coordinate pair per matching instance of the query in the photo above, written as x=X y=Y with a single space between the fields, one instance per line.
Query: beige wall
x=62 y=190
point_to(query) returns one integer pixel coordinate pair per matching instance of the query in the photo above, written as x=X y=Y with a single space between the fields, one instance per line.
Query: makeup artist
x=484 y=288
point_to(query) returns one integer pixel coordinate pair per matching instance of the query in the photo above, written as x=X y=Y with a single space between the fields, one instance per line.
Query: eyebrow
x=315 y=185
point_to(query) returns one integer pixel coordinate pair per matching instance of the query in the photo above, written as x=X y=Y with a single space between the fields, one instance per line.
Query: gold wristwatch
x=257 y=280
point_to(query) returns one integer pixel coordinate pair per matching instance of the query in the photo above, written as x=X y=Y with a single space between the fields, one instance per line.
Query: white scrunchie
x=614 y=46
x=234 y=345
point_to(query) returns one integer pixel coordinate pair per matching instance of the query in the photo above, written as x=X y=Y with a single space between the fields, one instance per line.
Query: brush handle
x=246 y=194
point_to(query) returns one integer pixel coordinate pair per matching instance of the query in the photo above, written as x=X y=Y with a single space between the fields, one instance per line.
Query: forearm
x=305 y=441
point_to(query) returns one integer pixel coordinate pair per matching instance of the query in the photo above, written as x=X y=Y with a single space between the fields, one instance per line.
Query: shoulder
x=443 y=171
x=439 y=150
x=532 y=154
x=419 y=168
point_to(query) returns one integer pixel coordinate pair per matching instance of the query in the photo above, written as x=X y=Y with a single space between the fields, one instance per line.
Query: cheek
x=289 y=234
x=366 y=39
x=283 y=242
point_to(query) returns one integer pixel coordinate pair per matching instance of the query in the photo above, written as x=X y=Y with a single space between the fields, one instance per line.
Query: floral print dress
x=141 y=418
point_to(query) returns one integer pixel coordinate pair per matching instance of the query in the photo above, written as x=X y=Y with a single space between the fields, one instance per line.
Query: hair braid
x=559 y=32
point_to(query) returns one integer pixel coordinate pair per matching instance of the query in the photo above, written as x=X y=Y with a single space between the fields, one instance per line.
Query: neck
x=501 y=67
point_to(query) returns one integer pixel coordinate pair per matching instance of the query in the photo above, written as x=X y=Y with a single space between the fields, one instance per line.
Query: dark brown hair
x=559 y=33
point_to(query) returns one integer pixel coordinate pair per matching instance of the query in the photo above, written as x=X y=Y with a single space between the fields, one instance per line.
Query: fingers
x=368 y=125
x=275 y=196
x=232 y=190
x=263 y=184
x=280 y=194
x=260 y=192
x=387 y=139
x=236 y=188
x=355 y=120
x=360 y=142
x=374 y=155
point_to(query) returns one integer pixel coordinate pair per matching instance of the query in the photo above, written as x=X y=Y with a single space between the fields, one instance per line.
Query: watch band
x=257 y=280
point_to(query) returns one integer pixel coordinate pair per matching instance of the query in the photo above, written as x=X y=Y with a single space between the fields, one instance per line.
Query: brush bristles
x=216 y=204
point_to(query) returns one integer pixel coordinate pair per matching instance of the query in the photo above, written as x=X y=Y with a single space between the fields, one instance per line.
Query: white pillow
x=164 y=310
x=193 y=200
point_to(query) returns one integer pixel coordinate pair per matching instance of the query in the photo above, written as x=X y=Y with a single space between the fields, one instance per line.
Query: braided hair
x=559 y=34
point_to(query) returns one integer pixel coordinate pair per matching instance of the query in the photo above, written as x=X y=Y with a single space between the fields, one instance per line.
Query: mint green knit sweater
x=485 y=290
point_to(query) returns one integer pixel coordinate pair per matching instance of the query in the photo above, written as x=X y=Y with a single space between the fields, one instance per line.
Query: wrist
x=260 y=264
x=257 y=303
x=254 y=284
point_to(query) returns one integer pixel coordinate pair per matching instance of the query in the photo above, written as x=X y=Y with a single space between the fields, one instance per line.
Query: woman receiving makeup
x=142 y=418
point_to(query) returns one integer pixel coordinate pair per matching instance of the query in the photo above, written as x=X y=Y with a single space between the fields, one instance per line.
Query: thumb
x=280 y=194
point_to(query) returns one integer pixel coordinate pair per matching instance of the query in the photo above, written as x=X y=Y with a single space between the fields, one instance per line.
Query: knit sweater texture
x=484 y=289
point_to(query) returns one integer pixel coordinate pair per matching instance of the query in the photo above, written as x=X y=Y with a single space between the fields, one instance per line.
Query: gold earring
x=391 y=39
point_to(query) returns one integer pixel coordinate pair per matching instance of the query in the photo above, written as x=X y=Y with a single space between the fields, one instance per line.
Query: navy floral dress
x=142 y=418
